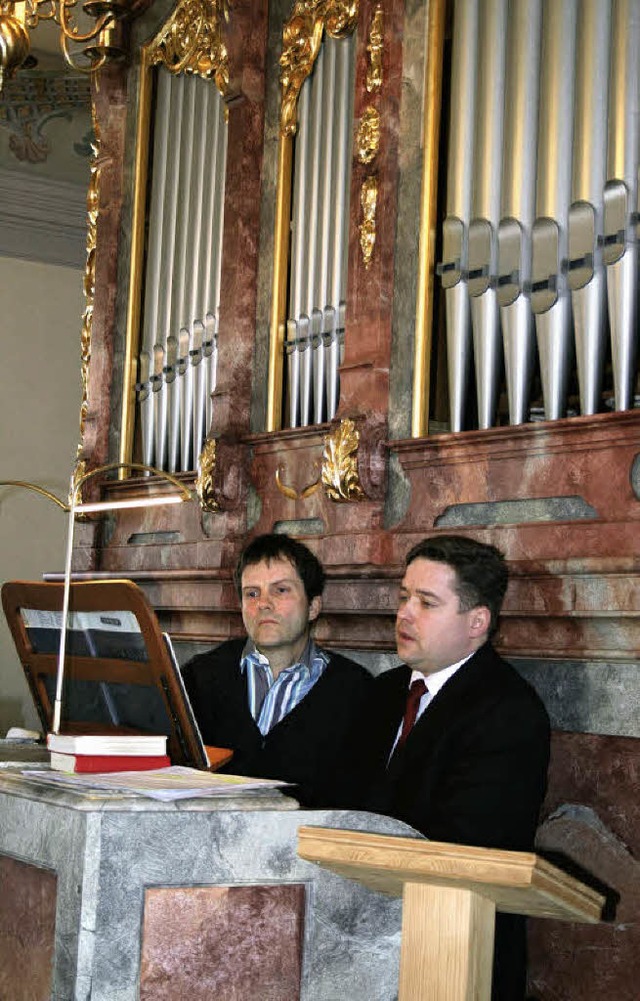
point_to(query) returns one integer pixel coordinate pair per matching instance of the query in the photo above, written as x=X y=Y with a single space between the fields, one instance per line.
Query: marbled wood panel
x=364 y=374
x=589 y=458
x=27 y=927
x=592 y=819
x=110 y=100
x=231 y=943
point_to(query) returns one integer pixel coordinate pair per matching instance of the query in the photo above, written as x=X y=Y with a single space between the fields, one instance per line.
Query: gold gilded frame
x=301 y=39
x=190 y=41
x=434 y=47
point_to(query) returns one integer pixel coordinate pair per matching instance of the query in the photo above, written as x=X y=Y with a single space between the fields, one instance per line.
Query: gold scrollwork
x=301 y=38
x=369 y=202
x=369 y=135
x=192 y=41
x=374 y=48
x=291 y=492
x=340 y=463
x=204 y=480
x=89 y=282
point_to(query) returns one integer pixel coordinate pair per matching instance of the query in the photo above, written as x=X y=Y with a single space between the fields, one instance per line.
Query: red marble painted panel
x=231 y=943
x=592 y=821
x=27 y=930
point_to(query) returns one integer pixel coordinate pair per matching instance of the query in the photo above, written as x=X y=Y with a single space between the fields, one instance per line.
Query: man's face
x=431 y=631
x=275 y=609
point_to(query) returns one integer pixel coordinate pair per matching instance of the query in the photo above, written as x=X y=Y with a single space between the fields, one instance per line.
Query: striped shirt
x=270 y=700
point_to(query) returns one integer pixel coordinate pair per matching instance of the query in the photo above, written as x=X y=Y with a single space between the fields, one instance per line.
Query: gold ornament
x=374 y=48
x=369 y=135
x=369 y=202
x=204 y=480
x=301 y=39
x=340 y=463
x=192 y=42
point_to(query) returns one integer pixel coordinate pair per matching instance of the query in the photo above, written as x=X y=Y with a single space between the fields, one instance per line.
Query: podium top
x=517 y=882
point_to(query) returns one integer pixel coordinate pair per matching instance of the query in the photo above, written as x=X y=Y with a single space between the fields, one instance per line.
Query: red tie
x=416 y=691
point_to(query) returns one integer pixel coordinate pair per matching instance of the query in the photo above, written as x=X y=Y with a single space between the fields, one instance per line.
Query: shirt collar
x=435 y=681
x=312 y=659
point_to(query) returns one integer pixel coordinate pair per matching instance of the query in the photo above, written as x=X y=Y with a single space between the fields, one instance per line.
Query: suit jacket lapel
x=463 y=689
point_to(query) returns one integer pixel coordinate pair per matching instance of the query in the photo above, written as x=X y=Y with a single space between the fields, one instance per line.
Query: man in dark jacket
x=284 y=706
x=459 y=741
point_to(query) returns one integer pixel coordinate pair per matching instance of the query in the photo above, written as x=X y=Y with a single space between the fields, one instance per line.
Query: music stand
x=120 y=676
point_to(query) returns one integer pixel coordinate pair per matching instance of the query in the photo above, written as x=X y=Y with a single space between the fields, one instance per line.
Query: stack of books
x=95 y=753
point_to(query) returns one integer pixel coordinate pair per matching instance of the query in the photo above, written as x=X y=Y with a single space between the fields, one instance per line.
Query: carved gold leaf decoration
x=369 y=202
x=340 y=463
x=374 y=48
x=192 y=41
x=204 y=480
x=301 y=38
x=369 y=135
x=291 y=493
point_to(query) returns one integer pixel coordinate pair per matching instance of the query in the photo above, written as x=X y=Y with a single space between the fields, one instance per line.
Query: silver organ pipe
x=587 y=279
x=518 y=201
x=621 y=197
x=455 y=266
x=178 y=349
x=550 y=300
x=483 y=229
x=541 y=225
x=317 y=280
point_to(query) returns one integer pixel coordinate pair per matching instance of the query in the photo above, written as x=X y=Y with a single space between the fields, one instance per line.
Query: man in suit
x=284 y=706
x=471 y=767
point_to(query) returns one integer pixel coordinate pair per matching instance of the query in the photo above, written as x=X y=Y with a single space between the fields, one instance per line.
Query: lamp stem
x=57 y=706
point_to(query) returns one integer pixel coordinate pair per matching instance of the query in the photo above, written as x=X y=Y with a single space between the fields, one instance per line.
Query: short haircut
x=481 y=570
x=265 y=548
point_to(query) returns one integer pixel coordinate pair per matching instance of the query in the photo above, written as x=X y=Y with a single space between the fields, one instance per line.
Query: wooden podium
x=450 y=897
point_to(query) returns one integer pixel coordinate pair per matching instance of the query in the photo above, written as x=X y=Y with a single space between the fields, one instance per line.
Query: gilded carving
x=369 y=202
x=369 y=135
x=192 y=41
x=291 y=493
x=204 y=480
x=374 y=48
x=340 y=463
x=301 y=38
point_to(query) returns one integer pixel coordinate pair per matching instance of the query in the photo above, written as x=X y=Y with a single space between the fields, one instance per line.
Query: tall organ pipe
x=518 y=201
x=587 y=279
x=152 y=282
x=621 y=197
x=550 y=297
x=166 y=374
x=459 y=189
x=483 y=249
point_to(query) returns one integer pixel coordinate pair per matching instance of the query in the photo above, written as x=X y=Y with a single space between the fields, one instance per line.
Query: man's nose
x=404 y=613
x=265 y=600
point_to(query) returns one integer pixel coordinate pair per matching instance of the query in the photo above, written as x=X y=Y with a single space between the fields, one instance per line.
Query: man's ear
x=315 y=607
x=480 y=621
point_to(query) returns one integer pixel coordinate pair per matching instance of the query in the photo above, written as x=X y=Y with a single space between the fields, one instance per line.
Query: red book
x=97 y=763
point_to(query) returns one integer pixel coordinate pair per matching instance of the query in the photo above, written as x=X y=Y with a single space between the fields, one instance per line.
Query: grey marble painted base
x=106 y=850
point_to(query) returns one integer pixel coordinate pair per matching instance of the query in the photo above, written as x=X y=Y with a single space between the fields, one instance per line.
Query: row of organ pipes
x=178 y=345
x=319 y=236
x=540 y=234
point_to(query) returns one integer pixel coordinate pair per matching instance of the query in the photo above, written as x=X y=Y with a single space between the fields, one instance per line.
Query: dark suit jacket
x=307 y=747
x=472 y=771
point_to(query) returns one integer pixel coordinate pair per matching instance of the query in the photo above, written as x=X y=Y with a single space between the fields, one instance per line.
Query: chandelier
x=87 y=42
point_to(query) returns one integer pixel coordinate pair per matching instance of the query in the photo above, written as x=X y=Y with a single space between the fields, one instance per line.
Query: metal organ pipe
x=518 y=201
x=621 y=197
x=182 y=279
x=587 y=279
x=483 y=229
x=319 y=235
x=455 y=266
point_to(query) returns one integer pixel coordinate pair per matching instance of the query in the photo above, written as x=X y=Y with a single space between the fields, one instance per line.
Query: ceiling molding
x=42 y=219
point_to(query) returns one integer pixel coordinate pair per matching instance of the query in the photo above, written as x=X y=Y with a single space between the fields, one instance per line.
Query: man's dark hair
x=265 y=548
x=480 y=569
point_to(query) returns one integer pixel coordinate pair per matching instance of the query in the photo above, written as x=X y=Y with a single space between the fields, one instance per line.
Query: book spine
x=96 y=763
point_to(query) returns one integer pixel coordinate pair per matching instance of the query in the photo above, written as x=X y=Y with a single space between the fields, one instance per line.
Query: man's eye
x=282 y=590
x=251 y=595
x=402 y=598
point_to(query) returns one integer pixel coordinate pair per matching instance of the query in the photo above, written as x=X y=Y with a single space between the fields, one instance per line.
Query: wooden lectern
x=450 y=897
